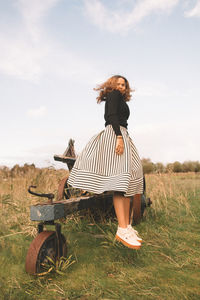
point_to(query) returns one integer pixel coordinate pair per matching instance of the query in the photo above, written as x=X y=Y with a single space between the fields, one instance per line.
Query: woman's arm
x=113 y=100
x=119 y=145
x=112 y=106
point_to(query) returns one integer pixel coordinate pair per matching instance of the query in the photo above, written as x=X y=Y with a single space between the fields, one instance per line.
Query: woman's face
x=121 y=85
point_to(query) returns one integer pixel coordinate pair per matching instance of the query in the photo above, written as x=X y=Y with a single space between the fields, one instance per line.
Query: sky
x=54 y=52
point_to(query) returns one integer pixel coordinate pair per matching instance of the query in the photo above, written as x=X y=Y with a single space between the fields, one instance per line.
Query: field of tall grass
x=166 y=267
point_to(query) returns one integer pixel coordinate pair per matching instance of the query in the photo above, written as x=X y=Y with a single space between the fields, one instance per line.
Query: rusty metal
x=149 y=202
x=65 y=191
x=69 y=156
x=70 y=149
x=61 y=189
x=52 y=243
x=40 y=227
x=138 y=207
x=137 y=211
x=33 y=252
x=49 y=196
x=47 y=244
x=59 y=239
x=65 y=159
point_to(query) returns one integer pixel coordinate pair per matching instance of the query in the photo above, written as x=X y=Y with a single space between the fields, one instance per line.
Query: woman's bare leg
x=122 y=209
x=127 y=201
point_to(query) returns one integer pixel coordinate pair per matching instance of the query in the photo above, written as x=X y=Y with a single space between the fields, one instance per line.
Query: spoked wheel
x=139 y=205
x=65 y=191
x=137 y=211
x=45 y=245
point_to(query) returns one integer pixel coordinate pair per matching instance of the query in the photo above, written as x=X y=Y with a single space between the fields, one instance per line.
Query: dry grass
x=15 y=199
x=178 y=187
x=166 y=267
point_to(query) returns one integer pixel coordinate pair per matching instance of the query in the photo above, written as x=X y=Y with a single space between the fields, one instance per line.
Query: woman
x=110 y=161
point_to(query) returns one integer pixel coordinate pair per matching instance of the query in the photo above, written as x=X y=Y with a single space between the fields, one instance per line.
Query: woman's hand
x=119 y=145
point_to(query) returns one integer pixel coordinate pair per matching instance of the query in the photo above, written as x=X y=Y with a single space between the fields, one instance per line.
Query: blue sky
x=54 y=52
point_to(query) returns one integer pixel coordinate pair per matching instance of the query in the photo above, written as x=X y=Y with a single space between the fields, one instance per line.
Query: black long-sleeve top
x=116 y=111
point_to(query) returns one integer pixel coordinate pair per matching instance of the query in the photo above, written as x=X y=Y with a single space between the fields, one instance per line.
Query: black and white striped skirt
x=98 y=168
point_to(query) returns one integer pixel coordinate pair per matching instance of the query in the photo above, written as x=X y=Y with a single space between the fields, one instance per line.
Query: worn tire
x=45 y=244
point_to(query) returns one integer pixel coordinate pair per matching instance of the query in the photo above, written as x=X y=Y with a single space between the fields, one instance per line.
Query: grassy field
x=166 y=267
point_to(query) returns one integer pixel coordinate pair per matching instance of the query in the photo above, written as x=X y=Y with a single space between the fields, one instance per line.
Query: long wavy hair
x=111 y=85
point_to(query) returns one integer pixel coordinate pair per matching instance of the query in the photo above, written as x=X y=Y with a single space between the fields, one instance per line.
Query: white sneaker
x=134 y=233
x=124 y=236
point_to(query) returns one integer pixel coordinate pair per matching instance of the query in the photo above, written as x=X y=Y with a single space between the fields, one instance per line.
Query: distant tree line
x=148 y=167
x=177 y=167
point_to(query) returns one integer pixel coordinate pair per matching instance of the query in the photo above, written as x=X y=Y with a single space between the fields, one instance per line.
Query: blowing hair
x=110 y=85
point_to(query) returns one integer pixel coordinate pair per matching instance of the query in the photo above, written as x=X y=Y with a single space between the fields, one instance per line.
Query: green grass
x=166 y=267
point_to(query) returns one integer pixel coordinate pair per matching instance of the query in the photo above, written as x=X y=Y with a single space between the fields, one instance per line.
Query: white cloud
x=151 y=89
x=118 y=21
x=27 y=52
x=37 y=112
x=195 y=11
x=33 y=12
x=64 y=64
x=20 y=58
x=162 y=90
x=22 y=48
x=168 y=142
x=161 y=141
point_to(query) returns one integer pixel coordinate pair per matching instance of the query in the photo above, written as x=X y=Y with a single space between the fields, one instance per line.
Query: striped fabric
x=98 y=168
